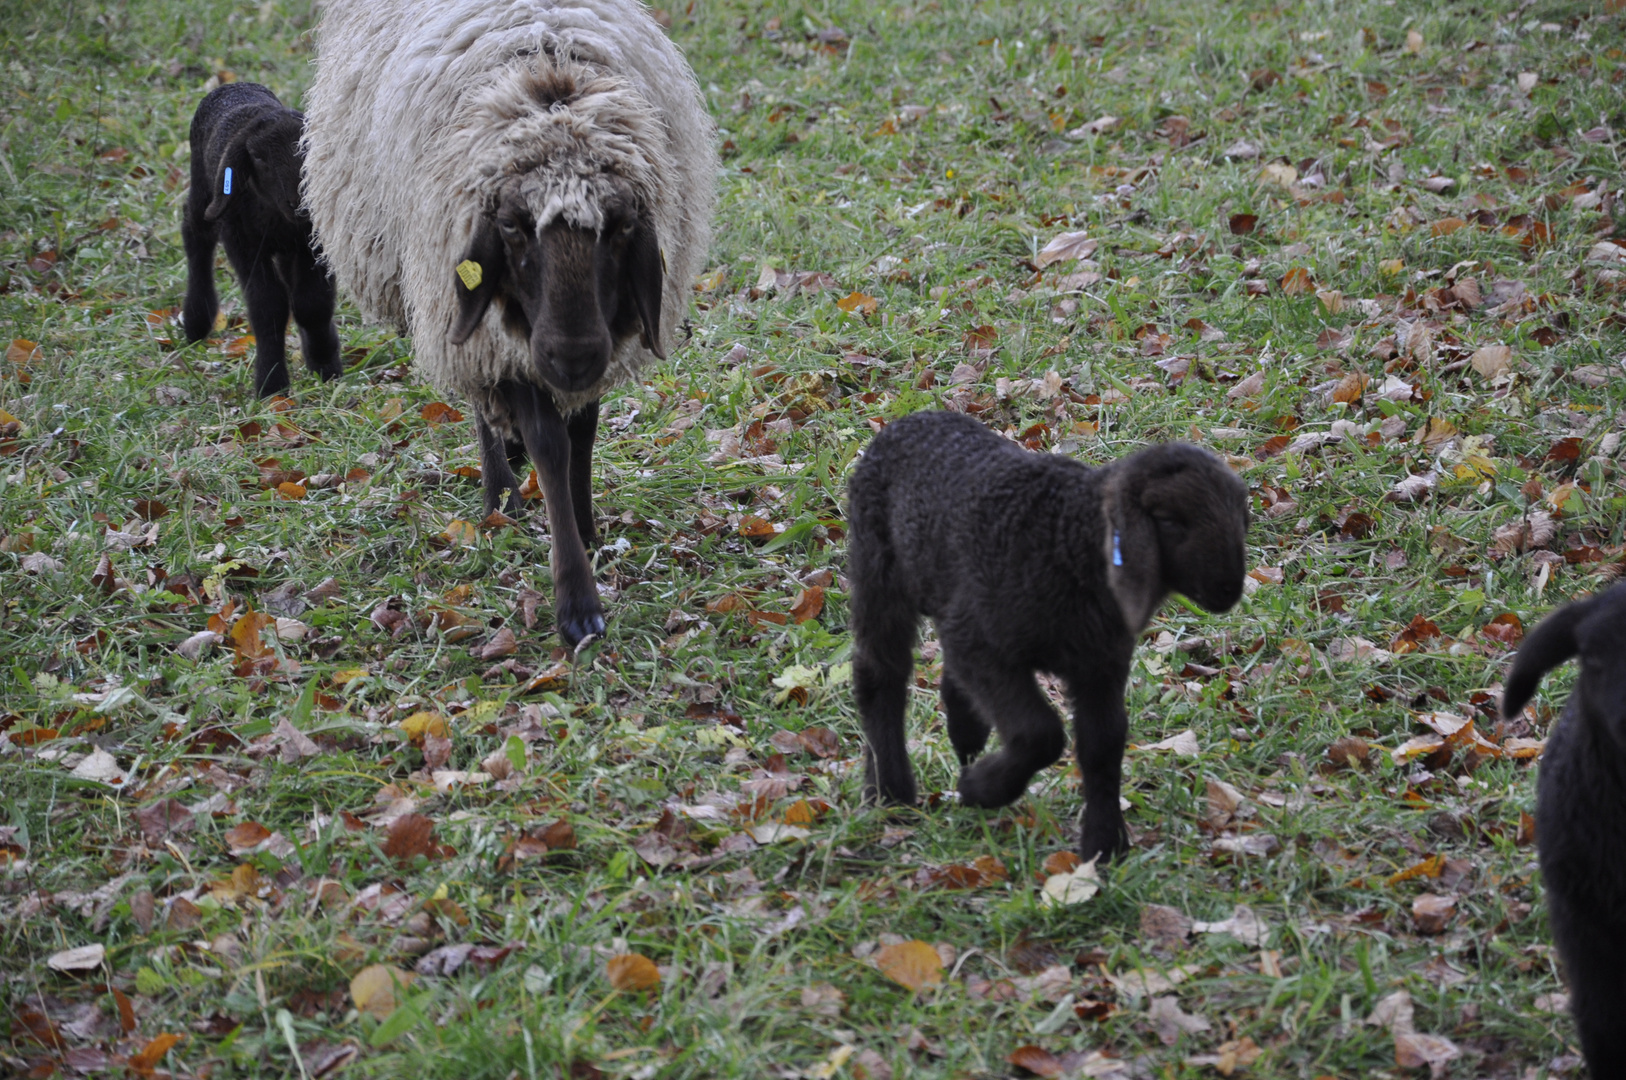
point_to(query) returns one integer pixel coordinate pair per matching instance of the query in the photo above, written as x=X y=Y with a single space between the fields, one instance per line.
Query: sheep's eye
x=508 y=228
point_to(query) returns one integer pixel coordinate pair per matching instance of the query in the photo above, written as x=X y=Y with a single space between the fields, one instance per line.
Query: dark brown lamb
x=245 y=195
x=1025 y=562
x=1581 y=812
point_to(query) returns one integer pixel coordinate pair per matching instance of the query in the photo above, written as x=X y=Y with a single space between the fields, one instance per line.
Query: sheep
x=245 y=193
x=524 y=186
x=1581 y=812
x=1026 y=562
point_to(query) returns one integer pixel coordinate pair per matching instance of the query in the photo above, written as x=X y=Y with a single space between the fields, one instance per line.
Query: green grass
x=922 y=156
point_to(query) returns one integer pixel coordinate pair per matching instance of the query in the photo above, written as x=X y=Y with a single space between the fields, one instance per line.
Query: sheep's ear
x=1552 y=642
x=1134 y=561
x=476 y=278
x=642 y=273
x=230 y=176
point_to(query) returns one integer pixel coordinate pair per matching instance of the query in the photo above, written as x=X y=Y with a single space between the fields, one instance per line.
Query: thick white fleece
x=421 y=108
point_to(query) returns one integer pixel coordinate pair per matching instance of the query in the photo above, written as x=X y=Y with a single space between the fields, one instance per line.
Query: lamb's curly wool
x=421 y=110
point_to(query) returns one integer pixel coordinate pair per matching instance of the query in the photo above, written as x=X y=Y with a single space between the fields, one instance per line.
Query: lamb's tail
x=1552 y=642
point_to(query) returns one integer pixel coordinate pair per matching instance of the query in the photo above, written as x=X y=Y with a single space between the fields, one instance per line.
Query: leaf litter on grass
x=1307 y=249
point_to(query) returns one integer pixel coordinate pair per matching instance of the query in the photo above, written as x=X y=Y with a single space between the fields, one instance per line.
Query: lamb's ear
x=642 y=274
x=1134 y=563
x=230 y=175
x=476 y=279
x=1552 y=642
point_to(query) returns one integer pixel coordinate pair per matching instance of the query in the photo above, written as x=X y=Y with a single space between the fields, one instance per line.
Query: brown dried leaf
x=632 y=972
x=911 y=964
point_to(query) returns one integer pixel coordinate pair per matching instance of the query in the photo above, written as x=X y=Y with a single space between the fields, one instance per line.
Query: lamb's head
x=1177 y=522
x=1595 y=630
x=265 y=158
x=574 y=291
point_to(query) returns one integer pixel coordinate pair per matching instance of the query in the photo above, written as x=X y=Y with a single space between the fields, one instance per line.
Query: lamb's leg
x=1030 y=734
x=1100 y=728
x=966 y=730
x=202 y=303
x=313 y=300
x=1594 y=955
x=496 y=474
x=583 y=426
x=268 y=317
x=883 y=630
x=547 y=438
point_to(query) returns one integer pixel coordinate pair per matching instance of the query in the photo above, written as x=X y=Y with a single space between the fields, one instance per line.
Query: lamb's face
x=573 y=293
x=1200 y=515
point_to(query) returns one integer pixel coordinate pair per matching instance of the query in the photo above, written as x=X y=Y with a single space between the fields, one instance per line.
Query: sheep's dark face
x=265 y=161
x=573 y=293
x=1199 y=511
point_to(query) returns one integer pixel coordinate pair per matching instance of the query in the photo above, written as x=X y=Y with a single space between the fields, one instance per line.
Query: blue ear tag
x=227 y=190
x=1117 y=550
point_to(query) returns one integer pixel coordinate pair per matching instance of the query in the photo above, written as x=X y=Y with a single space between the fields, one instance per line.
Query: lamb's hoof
x=1103 y=851
x=973 y=793
x=576 y=626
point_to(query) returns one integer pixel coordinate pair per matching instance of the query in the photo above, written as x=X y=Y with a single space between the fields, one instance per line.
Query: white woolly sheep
x=553 y=156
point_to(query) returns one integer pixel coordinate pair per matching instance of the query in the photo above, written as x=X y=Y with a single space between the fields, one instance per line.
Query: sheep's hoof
x=576 y=626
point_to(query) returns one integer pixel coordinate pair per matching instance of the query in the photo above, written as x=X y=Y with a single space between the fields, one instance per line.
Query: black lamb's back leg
x=1030 y=733
x=267 y=299
x=967 y=730
x=496 y=469
x=314 y=295
x=883 y=625
x=1593 y=948
x=198 y=238
x=583 y=427
x=1100 y=730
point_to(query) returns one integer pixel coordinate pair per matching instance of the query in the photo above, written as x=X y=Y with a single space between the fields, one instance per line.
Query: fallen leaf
x=1182 y=745
x=411 y=835
x=1064 y=247
x=1072 y=887
x=1432 y=913
x=438 y=412
x=911 y=964
x=859 y=303
x=1170 y=1022
x=373 y=988
x=1243 y=925
x=1414 y=1050
x=145 y=1063
x=1297 y=282
x=244 y=838
x=809 y=602
x=633 y=972
x=1036 y=1060
x=1492 y=361
x=82 y=958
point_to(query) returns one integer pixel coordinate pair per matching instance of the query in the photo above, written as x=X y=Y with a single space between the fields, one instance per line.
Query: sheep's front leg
x=547 y=438
x=313 y=300
x=268 y=316
x=202 y=303
x=583 y=426
x=1030 y=733
x=1100 y=729
x=496 y=474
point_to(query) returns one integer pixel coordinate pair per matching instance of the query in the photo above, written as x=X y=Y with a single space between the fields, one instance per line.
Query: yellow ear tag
x=469 y=271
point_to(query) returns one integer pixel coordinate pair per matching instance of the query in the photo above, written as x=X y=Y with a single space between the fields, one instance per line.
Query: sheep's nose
x=577 y=362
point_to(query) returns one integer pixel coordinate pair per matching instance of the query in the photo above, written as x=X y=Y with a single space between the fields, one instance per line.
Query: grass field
x=1363 y=249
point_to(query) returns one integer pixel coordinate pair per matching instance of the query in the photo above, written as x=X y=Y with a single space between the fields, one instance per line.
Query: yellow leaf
x=632 y=971
x=420 y=724
x=462 y=533
x=1391 y=267
x=861 y=303
x=290 y=490
x=373 y=988
x=912 y=964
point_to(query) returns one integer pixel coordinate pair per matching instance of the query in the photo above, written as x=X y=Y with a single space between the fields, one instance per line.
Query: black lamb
x=1581 y=812
x=1026 y=562
x=246 y=160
